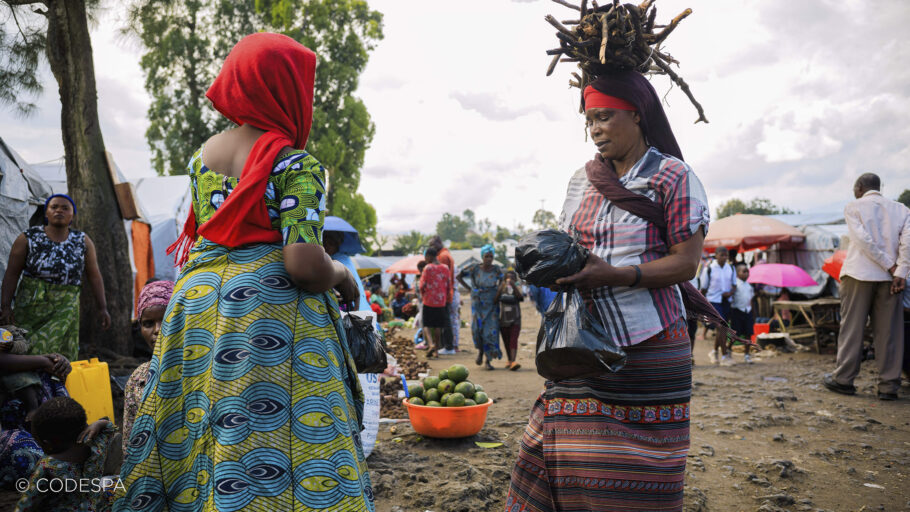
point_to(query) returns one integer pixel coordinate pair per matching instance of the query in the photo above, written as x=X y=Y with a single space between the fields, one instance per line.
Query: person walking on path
x=718 y=284
x=509 y=297
x=451 y=331
x=619 y=441
x=253 y=401
x=51 y=261
x=872 y=279
x=435 y=287
x=484 y=282
x=741 y=318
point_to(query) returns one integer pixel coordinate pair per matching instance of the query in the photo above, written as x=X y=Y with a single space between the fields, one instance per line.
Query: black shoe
x=837 y=387
x=887 y=396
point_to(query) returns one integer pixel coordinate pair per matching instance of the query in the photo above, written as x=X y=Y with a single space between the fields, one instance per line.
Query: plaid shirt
x=632 y=315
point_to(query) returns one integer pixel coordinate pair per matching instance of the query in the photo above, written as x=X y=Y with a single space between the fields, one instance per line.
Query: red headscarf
x=266 y=81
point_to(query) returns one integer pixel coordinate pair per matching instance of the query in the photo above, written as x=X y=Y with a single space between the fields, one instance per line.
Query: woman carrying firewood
x=619 y=441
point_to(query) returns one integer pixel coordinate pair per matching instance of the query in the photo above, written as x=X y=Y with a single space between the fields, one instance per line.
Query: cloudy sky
x=802 y=97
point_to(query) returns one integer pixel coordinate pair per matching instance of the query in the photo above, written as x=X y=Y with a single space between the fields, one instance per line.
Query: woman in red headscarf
x=619 y=441
x=252 y=400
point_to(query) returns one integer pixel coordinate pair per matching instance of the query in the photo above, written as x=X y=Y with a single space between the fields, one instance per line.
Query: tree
x=544 y=219
x=756 y=206
x=502 y=234
x=476 y=239
x=411 y=243
x=186 y=40
x=468 y=216
x=905 y=197
x=502 y=255
x=452 y=227
x=59 y=29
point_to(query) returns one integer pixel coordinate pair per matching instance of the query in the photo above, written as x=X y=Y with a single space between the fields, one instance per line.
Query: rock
x=859 y=427
x=781 y=499
x=721 y=431
x=779 y=437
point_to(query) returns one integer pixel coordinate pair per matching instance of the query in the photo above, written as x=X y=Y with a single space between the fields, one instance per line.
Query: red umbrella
x=781 y=275
x=744 y=232
x=407 y=265
x=834 y=263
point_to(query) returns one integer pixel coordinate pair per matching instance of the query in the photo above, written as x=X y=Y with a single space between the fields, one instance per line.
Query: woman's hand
x=92 y=431
x=595 y=274
x=105 y=318
x=58 y=365
x=350 y=292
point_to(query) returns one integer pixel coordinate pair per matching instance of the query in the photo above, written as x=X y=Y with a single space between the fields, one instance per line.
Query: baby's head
x=57 y=423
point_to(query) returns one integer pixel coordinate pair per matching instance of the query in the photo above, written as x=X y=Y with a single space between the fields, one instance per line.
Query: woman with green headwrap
x=484 y=282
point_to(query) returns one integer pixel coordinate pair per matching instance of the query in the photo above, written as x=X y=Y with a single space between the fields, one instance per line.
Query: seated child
x=150 y=310
x=73 y=451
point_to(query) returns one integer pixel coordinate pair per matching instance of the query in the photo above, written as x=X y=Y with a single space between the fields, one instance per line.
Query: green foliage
x=757 y=206
x=544 y=219
x=502 y=234
x=468 y=216
x=905 y=197
x=23 y=39
x=502 y=256
x=452 y=227
x=458 y=246
x=478 y=240
x=411 y=243
x=186 y=41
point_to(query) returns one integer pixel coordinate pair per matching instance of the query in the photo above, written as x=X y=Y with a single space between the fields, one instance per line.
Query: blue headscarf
x=487 y=249
x=64 y=196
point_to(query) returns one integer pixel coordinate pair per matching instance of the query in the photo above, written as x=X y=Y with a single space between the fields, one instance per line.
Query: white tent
x=22 y=191
x=166 y=201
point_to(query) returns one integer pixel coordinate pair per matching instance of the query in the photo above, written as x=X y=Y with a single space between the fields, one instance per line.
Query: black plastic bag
x=573 y=344
x=367 y=344
x=544 y=256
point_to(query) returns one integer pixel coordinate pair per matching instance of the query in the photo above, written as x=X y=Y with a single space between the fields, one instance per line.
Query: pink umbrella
x=781 y=275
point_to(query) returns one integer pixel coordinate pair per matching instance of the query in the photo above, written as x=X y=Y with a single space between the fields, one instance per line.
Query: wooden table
x=819 y=314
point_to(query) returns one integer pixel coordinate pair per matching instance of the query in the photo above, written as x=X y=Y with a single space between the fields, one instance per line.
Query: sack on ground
x=367 y=344
x=544 y=256
x=573 y=344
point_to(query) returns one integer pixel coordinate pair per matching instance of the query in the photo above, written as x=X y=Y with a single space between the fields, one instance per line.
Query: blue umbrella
x=351 y=243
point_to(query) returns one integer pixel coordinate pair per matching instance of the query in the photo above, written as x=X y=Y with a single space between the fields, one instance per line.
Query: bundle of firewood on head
x=613 y=37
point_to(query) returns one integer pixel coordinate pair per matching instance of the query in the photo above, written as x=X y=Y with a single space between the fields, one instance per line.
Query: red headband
x=597 y=99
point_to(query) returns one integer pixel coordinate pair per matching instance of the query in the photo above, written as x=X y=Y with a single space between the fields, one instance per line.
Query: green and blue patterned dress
x=252 y=401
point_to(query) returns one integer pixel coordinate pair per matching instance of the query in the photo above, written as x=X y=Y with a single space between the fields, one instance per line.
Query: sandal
x=514 y=366
x=479 y=360
x=488 y=366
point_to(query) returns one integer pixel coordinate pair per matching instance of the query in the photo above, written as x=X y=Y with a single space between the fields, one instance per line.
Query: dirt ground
x=766 y=437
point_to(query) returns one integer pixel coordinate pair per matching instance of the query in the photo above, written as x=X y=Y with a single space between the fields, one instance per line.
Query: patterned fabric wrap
x=294 y=195
x=132 y=398
x=55 y=262
x=49 y=468
x=19 y=453
x=484 y=309
x=632 y=315
x=252 y=401
x=50 y=314
x=612 y=443
x=156 y=293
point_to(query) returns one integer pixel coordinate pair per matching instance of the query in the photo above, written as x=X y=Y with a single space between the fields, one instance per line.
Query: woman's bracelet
x=637 y=277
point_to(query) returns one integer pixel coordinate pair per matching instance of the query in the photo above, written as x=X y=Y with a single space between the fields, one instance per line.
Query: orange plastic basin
x=447 y=422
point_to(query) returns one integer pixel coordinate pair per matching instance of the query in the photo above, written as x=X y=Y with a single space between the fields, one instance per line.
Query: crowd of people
x=251 y=401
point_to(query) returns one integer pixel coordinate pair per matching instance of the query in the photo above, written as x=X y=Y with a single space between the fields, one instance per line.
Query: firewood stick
x=684 y=86
x=665 y=32
x=552 y=21
x=552 y=65
x=605 y=40
x=567 y=4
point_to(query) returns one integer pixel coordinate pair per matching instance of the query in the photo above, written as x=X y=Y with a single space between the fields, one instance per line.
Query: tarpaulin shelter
x=166 y=201
x=22 y=193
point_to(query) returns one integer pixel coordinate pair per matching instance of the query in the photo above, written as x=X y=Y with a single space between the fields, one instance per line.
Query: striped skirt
x=617 y=442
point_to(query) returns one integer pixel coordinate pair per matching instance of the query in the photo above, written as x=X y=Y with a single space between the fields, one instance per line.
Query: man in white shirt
x=872 y=280
x=717 y=285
